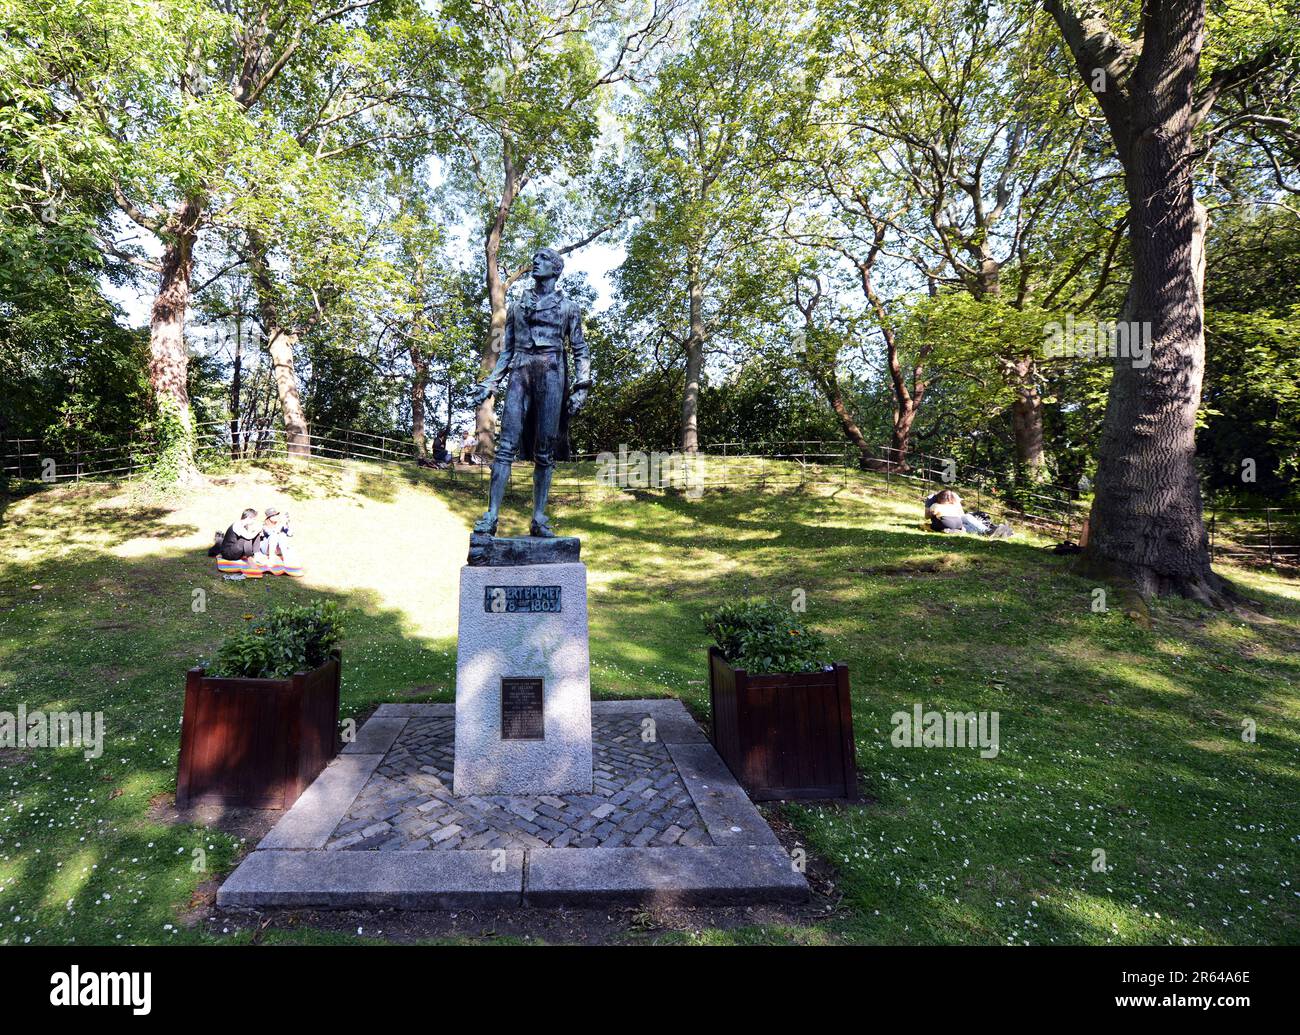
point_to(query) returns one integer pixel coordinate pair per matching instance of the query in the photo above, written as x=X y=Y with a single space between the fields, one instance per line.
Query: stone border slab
x=729 y=815
x=375 y=737
x=313 y=817
x=414 y=711
x=375 y=880
x=623 y=706
x=662 y=876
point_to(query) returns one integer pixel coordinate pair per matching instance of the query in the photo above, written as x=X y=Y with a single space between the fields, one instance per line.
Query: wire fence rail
x=1260 y=536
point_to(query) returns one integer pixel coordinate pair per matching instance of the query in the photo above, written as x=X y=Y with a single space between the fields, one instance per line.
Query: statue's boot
x=541 y=527
x=496 y=493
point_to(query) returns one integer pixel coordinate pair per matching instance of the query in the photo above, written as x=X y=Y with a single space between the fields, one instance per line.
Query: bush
x=762 y=637
x=292 y=639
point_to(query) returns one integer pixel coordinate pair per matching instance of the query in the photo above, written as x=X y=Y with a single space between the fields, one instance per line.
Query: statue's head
x=547 y=262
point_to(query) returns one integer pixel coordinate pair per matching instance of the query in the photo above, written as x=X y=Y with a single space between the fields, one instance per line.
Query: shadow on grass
x=82 y=859
x=1113 y=736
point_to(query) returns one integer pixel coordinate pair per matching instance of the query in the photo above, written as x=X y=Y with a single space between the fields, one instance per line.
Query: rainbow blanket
x=255 y=569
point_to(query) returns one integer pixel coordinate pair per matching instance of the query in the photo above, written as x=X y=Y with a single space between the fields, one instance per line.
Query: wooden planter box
x=784 y=735
x=256 y=742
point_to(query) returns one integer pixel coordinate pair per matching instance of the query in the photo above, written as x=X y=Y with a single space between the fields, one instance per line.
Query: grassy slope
x=1113 y=737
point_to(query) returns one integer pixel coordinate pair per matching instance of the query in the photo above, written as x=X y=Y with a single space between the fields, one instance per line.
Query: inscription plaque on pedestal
x=522 y=600
x=521 y=709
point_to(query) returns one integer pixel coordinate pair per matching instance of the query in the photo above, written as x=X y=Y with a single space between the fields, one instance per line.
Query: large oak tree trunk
x=1147 y=516
x=1146 y=523
x=168 y=361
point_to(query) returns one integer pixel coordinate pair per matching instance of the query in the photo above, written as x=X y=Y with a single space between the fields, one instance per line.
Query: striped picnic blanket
x=255 y=569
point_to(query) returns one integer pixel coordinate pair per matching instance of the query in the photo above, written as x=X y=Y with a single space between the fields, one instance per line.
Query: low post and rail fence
x=1266 y=535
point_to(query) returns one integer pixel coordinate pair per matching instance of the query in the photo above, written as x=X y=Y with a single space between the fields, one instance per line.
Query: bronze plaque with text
x=521 y=708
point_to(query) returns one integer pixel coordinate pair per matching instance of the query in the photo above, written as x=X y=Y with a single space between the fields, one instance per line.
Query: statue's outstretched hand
x=481 y=393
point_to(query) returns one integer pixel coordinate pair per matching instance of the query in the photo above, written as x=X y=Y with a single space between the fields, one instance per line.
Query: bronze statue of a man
x=541 y=397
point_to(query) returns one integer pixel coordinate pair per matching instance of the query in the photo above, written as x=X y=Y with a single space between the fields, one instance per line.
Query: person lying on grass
x=240 y=539
x=946 y=515
x=944 y=508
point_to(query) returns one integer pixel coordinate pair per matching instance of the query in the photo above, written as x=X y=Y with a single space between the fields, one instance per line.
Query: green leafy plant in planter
x=764 y=637
x=292 y=639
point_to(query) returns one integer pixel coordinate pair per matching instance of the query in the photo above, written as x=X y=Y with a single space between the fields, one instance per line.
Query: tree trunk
x=168 y=362
x=446 y=430
x=236 y=384
x=690 y=427
x=419 y=382
x=281 y=344
x=485 y=418
x=906 y=401
x=900 y=439
x=828 y=381
x=847 y=424
x=1146 y=519
x=1027 y=421
x=1146 y=524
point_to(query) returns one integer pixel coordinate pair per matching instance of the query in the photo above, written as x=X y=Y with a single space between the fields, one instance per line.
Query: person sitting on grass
x=440 y=452
x=467 y=446
x=274 y=541
x=240 y=540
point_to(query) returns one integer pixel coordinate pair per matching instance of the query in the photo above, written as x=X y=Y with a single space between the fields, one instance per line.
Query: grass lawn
x=1114 y=737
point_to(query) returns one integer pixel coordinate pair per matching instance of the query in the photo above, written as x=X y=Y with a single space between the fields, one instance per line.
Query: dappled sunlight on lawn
x=74 y=874
x=1113 y=737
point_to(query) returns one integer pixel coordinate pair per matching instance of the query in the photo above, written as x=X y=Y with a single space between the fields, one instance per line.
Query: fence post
x=1268 y=524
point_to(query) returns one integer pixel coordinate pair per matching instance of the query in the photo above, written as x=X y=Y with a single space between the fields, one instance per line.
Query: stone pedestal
x=523 y=682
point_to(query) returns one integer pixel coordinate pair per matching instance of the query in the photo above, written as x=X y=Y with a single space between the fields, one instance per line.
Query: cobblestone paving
x=638 y=800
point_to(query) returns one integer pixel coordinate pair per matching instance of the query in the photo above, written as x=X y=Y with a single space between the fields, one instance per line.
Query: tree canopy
x=856 y=220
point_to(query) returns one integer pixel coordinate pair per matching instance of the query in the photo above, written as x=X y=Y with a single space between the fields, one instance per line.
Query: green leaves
x=292 y=639
x=703 y=142
x=765 y=637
